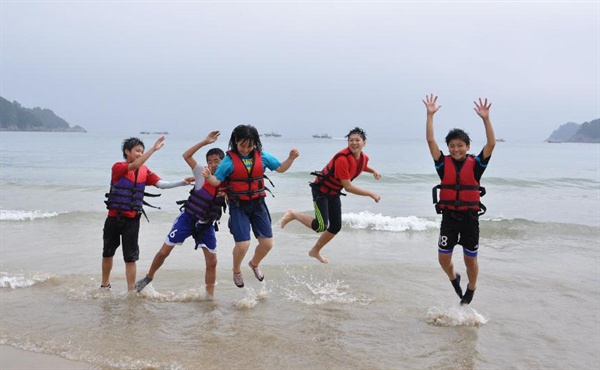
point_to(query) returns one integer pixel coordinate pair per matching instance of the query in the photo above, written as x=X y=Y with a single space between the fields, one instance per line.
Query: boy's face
x=458 y=149
x=213 y=161
x=244 y=147
x=356 y=143
x=133 y=154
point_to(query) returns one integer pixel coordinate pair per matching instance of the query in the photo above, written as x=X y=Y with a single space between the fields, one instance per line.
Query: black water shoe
x=466 y=299
x=456 y=285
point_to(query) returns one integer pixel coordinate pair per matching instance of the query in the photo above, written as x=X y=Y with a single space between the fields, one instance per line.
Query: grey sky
x=304 y=67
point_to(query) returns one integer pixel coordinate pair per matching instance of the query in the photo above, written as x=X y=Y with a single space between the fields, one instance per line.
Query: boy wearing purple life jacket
x=125 y=200
x=199 y=214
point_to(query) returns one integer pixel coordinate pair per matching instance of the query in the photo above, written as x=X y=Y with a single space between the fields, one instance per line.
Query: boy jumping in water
x=460 y=193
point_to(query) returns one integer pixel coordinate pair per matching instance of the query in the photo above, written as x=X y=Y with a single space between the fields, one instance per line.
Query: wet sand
x=12 y=359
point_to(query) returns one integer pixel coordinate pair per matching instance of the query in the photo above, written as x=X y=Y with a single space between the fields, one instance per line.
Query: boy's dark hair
x=359 y=131
x=245 y=133
x=459 y=134
x=215 y=151
x=131 y=143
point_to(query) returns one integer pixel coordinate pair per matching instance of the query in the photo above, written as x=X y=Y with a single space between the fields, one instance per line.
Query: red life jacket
x=459 y=190
x=243 y=184
x=326 y=180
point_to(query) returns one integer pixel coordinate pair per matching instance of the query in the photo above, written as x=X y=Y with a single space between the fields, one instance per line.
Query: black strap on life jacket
x=323 y=177
x=457 y=203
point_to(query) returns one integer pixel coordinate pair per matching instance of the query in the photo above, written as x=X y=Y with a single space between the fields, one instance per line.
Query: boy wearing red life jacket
x=460 y=192
x=337 y=175
x=124 y=202
x=200 y=212
x=242 y=170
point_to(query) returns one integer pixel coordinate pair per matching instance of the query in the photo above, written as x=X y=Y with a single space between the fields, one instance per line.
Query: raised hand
x=430 y=102
x=159 y=143
x=213 y=136
x=483 y=108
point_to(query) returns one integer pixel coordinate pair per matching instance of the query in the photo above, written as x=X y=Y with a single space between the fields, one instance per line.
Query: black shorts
x=459 y=228
x=128 y=229
x=328 y=212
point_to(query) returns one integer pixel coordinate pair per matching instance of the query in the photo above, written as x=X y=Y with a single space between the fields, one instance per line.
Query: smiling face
x=356 y=144
x=134 y=153
x=458 y=149
x=245 y=147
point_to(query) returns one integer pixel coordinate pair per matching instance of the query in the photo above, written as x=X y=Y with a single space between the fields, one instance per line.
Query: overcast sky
x=304 y=67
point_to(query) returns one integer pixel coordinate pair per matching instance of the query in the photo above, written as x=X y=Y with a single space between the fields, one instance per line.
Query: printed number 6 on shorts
x=172 y=233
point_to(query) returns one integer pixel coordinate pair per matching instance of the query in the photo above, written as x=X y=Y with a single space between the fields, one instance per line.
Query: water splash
x=455 y=316
x=21 y=281
x=190 y=295
x=312 y=290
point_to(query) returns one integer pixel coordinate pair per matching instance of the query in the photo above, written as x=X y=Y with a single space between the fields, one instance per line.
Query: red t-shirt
x=119 y=170
x=346 y=167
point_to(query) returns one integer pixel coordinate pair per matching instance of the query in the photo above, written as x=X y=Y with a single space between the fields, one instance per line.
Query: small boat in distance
x=322 y=136
x=274 y=134
x=154 y=133
x=500 y=140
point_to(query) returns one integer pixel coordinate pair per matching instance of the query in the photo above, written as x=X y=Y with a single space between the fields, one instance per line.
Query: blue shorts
x=244 y=214
x=186 y=225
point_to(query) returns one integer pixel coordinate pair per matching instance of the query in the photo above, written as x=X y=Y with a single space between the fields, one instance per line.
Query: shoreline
x=12 y=358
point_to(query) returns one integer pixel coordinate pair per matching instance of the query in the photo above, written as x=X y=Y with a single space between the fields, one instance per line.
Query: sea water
x=382 y=302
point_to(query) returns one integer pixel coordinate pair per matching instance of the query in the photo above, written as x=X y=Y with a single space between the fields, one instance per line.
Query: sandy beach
x=12 y=359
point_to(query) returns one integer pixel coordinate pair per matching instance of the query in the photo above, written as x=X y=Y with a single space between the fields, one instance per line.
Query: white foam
x=455 y=316
x=21 y=281
x=318 y=290
x=17 y=215
x=367 y=220
x=190 y=295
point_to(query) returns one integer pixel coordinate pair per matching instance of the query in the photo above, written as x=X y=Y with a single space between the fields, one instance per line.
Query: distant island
x=14 y=117
x=571 y=132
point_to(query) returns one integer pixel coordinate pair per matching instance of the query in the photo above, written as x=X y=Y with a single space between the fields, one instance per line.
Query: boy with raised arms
x=460 y=193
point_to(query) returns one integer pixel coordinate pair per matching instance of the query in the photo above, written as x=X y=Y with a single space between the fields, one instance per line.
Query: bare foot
x=289 y=216
x=318 y=256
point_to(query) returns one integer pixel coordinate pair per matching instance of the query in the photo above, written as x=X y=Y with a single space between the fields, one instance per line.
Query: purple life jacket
x=204 y=203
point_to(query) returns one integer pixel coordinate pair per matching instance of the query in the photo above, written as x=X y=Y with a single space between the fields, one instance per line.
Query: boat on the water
x=322 y=136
